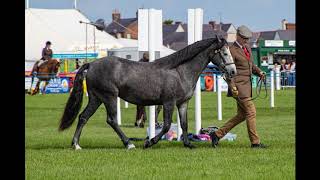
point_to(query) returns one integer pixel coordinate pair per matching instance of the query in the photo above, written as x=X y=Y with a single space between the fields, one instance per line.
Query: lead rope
x=258 y=92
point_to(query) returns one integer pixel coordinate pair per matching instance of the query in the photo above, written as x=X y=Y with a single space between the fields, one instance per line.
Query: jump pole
x=195 y=21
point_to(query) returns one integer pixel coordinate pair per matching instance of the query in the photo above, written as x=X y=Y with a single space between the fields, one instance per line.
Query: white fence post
x=219 y=83
x=278 y=84
x=272 y=88
x=126 y=104
x=214 y=82
x=118 y=111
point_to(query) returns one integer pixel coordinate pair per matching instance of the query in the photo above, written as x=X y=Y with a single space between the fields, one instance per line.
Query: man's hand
x=235 y=92
x=262 y=75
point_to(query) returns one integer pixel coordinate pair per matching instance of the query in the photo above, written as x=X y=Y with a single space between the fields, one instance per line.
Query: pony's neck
x=193 y=68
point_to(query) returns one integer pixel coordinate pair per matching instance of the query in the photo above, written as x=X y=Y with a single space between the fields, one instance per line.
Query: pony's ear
x=219 y=40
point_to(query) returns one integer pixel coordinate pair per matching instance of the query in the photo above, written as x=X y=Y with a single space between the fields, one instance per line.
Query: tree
x=168 y=21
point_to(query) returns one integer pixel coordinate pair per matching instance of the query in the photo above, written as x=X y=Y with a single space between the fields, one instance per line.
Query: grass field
x=49 y=156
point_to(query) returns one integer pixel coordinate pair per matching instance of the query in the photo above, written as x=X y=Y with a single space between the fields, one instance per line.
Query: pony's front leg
x=182 y=108
x=167 y=115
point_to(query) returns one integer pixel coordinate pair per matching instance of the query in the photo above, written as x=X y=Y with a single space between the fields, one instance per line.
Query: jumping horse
x=169 y=81
x=46 y=71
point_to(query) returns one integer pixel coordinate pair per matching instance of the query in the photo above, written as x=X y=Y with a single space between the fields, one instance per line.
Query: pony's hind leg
x=182 y=108
x=36 y=89
x=167 y=119
x=91 y=108
x=43 y=90
x=111 y=107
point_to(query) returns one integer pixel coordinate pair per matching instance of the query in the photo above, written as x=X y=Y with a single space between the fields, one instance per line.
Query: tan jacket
x=245 y=68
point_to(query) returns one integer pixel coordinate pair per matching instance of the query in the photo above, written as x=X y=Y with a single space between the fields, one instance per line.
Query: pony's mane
x=185 y=54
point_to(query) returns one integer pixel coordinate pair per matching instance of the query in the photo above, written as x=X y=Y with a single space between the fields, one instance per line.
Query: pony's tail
x=75 y=100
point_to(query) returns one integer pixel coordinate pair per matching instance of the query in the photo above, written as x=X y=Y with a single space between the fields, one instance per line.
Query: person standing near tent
x=240 y=87
x=46 y=53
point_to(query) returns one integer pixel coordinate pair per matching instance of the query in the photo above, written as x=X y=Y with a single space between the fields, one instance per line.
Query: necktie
x=246 y=52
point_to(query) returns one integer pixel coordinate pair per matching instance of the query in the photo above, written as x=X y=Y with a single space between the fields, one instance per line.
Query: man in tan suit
x=240 y=87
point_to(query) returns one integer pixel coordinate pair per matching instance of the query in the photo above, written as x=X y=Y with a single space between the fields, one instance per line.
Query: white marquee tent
x=62 y=28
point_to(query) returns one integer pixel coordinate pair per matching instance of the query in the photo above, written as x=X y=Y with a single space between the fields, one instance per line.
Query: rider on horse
x=44 y=69
x=46 y=53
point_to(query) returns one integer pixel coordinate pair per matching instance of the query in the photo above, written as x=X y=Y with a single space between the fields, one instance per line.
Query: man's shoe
x=214 y=139
x=258 y=146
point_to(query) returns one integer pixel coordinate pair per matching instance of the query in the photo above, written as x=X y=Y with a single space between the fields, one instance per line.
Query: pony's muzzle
x=231 y=69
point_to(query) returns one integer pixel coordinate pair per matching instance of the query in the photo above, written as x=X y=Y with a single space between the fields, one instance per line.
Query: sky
x=258 y=15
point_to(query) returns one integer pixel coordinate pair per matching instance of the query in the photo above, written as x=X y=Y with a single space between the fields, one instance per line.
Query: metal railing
x=288 y=79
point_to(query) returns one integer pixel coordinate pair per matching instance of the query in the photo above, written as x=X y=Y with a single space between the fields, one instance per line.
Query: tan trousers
x=246 y=111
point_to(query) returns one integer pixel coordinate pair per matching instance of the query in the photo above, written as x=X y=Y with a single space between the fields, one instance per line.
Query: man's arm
x=43 y=52
x=255 y=70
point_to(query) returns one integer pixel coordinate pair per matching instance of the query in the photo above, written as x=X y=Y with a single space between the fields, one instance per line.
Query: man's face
x=49 y=46
x=241 y=40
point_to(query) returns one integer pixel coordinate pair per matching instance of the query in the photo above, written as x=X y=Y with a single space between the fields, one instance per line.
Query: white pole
x=272 y=88
x=126 y=105
x=278 y=85
x=214 y=83
x=75 y=4
x=27 y=4
x=151 y=48
x=179 y=130
x=118 y=111
x=219 y=83
x=195 y=21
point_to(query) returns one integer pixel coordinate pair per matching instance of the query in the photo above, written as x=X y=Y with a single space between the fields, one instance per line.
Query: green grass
x=49 y=156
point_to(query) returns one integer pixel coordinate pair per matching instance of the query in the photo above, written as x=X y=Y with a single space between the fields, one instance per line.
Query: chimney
x=284 y=23
x=178 y=22
x=213 y=24
x=115 y=15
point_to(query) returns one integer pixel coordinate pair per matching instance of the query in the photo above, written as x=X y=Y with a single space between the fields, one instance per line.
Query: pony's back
x=185 y=54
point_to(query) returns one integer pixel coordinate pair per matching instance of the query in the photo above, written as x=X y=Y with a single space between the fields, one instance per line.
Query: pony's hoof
x=131 y=146
x=189 y=145
x=76 y=147
x=147 y=144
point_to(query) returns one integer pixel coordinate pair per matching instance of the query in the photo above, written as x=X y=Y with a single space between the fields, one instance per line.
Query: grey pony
x=169 y=81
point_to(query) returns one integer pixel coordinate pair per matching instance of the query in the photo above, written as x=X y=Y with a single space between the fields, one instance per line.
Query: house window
x=128 y=56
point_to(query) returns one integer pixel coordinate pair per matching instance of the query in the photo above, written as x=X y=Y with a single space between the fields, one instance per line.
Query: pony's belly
x=139 y=101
